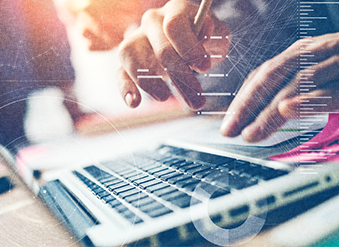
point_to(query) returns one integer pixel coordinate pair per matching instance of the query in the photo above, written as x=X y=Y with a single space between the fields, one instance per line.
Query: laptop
x=176 y=193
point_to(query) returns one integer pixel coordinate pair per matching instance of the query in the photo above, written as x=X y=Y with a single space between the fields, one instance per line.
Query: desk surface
x=25 y=221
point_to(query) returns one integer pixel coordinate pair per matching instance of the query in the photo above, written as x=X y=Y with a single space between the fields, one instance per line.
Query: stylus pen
x=200 y=16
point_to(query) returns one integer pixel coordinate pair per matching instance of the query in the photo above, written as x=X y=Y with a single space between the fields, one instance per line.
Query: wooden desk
x=25 y=221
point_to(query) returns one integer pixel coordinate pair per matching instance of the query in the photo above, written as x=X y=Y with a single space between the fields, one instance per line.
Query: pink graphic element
x=321 y=148
x=27 y=155
x=3 y=167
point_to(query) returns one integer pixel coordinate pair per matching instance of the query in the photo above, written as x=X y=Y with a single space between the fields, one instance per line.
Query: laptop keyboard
x=157 y=183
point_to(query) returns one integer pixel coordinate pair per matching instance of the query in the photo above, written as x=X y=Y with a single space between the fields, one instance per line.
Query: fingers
x=128 y=89
x=320 y=81
x=324 y=100
x=178 y=71
x=267 y=99
x=318 y=48
x=257 y=91
x=269 y=121
x=164 y=46
x=178 y=30
x=285 y=106
x=141 y=65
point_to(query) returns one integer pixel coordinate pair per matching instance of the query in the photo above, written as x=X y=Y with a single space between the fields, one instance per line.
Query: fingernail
x=129 y=99
x=203 y=65
x=253 y=133
x=230 y=127
x=197 y=103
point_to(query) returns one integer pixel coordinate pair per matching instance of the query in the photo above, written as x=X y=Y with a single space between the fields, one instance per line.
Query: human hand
x=165 y=47
x=265 y=101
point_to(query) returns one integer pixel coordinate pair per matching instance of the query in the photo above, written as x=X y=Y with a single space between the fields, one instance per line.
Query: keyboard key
x=150 y=183
x=124 y=211
x=175 y=194
x=156 y=156
x=136 y=176
x=191 y=187
x=177 y=165
x=163 y=173
x=123 y=189
x=131 y=192
x=173 y=161
x=157 y=169
x=216 y=174
x=109 y=183
x=131 y=217
x=226 y=168
x=204 y=173
x=132 y=198
x=155 y=209
x=103 y=194
x=93 y=186
x=116 y=165
x=142 y=180
x=214 y=160
x=207 y=190
x=117 y=186
x=187 y=182
x=107 y=179
x=131 y=174
x=159 y=212
x=241 y=165
x=186 y=167
x=150 y=167
x=150 y=206
x=126 y=172
x=132 y=179
x=184 y=201
x=165 y=191
x=120 y=208
x=144 y=201
x=97 y=190
x=229 y=180
x=179 y=178
x=219 y=192
x=114 y=203
x=127 y=213
x=267 y=173
x=108 y=198
x=97 y=172
x=172 y=175
x=156 y=187
x=197 y=169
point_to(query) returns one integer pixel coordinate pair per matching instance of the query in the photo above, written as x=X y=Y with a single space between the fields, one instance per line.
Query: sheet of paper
x=210 y=134
x=323 y=147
